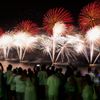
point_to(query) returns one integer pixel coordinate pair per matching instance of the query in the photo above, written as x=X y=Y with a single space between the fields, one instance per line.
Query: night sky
x=11 y=13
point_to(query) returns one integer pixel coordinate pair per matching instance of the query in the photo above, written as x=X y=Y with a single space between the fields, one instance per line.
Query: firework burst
x=20 y=42
x=59 y=29
x=44 y=43
x=93 y=37
x=55 y=15
x=64 y=49
x=29 y=45
x=6 y=43
x=90 y=16
x=27 y=26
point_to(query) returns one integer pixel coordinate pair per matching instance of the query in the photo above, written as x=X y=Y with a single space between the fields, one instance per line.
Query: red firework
x=55 y=15
x=90 y=16
x=27 y=26
x=1 y=31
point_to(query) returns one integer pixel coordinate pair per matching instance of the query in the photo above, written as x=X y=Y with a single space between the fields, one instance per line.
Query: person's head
x=14 y=71
x=89 y=69
x=43 y=67
x=96 y=71
x=53 y=68
x=30 y=74
x=87 y=79
x=20 y=71
x=71 y=80
x=9 y=67
x=0 y=64
x=1 y=67
x=25 y=72
x=29 y=69
x=78 y=74
x=60 y=70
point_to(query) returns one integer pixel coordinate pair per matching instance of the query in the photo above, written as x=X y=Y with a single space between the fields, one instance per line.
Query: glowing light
x=55 y=15
x=59 y=29
x=6 y=43
x=93 y=34
x=29 y=45
x=93 y=37
x=79 y=47
x=90 y=16
x=65 y=49
x=27 y=26
x=20 y=40
x=45 y=44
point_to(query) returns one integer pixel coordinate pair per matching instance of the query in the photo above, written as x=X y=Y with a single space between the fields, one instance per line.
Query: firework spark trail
x=53 y=22
x=55 y=15
x=98 y=55
x=58 y=30
x=6 y=43
x=96 y=58
x=90 y=16
x=30 y=45
x=27 y=26
x=80 y=46
x=44 y=43
x=61 y=42
x=20 y=42
x=68 y=52
x=91 y=51
x=54 y=49
x=48 y=50
x=92 y=38
x=65 y=49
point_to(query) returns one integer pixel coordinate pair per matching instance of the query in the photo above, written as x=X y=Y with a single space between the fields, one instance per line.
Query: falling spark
x=45 y=44
x=6 y=43
x=55 y=15
x=93 y=37
x=20 y=41
x=90 y=16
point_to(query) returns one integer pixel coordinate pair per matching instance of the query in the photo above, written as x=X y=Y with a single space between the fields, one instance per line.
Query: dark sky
x=12 y=13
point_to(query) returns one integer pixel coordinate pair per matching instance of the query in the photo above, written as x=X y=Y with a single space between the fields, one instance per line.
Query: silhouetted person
x=1 y=82
x=8 y=74
x=13 y=85
x=68 y=72
x=61 y=78
x=53 y=83
x=90 y=73
x=87 y=93
x=42 y=77
x=97 y=83
x=30 y=89
x=71 y=88
x=52 y=70
x=20 y=81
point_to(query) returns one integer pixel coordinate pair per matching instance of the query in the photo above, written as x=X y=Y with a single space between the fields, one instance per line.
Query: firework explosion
x=62 y=41
x=6 y=41
x=55 y=15
x=64 y=49
x=27 y=26
x=44 y=43
x=90 y=16
x=58 y=30
x=20 y=42
x=93 y=37
x=57 y=46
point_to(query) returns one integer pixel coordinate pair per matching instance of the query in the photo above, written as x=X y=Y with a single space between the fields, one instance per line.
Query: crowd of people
x=47 y=82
